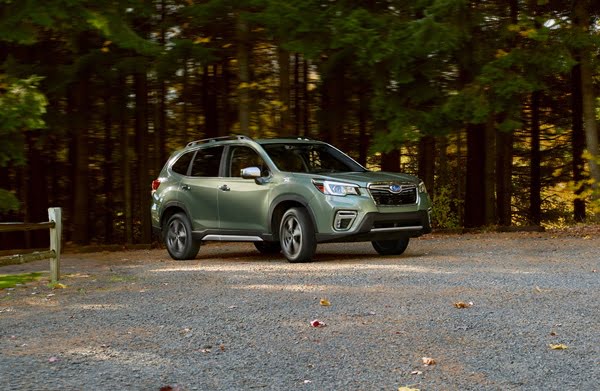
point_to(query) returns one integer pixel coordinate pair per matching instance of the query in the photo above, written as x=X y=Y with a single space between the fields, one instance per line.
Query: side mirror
x=250 y=173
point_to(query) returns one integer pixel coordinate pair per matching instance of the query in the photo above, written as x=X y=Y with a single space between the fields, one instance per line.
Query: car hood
x=364 y=178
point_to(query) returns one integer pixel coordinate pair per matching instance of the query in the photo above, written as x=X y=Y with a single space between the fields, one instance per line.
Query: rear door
x=199 y=188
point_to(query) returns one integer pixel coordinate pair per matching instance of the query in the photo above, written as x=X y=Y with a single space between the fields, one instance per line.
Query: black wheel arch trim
x=171 y=204
x=295 y=198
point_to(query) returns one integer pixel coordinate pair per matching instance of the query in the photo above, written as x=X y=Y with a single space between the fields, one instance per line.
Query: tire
x=297 y=236
x=268 y=247
x=178 y=238
x=391 y=247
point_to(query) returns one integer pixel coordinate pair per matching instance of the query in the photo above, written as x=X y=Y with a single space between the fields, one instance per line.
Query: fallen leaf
x=317 y=323
x=558 y=346
x=462 y=304
x=416 y=373
x=58 y=285
x=428 y=361
x=53 y=359
x=325 y=302
x=408 y=389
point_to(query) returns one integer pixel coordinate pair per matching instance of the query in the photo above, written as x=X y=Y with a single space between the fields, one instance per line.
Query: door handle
x=185 y=187
x=224 y=188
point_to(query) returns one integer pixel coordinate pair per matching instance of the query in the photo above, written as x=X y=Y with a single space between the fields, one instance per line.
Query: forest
x=492 y=103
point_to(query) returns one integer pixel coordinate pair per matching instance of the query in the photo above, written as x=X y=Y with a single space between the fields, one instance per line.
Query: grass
x=12 y=280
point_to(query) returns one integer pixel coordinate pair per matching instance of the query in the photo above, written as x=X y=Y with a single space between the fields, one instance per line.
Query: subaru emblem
x=395 y=188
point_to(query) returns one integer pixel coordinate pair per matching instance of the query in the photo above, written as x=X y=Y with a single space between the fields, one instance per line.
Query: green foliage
x=444 y=213
x=8 y=201
x=22 y=106
x=12 y=280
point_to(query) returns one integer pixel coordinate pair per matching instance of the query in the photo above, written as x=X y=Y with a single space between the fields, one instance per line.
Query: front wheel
x=390 y=247
x=178 y=238
x=297 y=236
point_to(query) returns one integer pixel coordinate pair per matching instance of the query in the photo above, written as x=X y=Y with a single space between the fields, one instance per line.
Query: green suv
x=284 y=195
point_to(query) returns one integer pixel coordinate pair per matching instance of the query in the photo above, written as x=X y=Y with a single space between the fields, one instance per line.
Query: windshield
x=311 y=158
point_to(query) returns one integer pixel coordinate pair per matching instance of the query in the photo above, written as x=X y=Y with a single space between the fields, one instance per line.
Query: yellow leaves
x=558 y=346
x=427 y=361
x=202 y=40
x=462 y=304
x=501 y=53
x=105 y=47
x=529 y=33
x=227 y=45
x=324 y=302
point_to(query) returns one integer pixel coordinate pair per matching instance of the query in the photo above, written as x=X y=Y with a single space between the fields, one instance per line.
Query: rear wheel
x=178 y=238
x=391 y=247
x=268 y=247
x=297 y=236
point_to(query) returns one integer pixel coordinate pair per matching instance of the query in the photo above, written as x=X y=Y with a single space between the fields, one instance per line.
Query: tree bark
x=243 y=61
x=79 y=127
x=475 y=200
x=209 y=101
x=125 y=160
x=108 y=166
x=427 y=160
x=577 y=142
x=141 y=133
x=583 y=20
x=504 y=188
x=535 y=200
x=283 y=58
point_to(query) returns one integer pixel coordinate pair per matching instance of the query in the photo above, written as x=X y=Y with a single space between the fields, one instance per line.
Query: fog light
x=343 y=220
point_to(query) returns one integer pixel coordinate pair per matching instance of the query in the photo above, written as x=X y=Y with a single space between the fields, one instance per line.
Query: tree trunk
x=141 y=133
x=283 y=58
x=577 y=142
x=79 y=127
x=363 y=114
x=583 y=20
x=306 y=101
x=185 y=121
x=390 y=161
x=475 y=192
x=125 y=160
x=161 y=130
x=36 y=192
x=243 y=62
x=209 y=101
x=489 y=169
x=535 y=200
x=109 y=184
x=333 y=106
x=504 y=189
x=298 y=96
x=427 y=160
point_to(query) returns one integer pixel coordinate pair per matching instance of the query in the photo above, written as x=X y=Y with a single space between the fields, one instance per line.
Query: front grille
x=383 y=195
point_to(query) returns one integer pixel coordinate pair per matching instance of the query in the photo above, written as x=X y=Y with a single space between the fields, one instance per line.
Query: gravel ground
x=236 y=320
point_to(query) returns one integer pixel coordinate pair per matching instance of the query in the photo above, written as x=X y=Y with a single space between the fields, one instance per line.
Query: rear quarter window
x=182 y=164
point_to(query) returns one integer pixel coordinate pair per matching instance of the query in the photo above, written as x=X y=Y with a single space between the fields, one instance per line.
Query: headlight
x=336 y=188
x=422 y=188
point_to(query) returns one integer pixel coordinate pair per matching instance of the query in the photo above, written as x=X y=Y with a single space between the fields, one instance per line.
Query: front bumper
x=383 y=226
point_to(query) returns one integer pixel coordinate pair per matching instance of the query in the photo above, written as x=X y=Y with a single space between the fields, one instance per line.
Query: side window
x=207 y=162
x=183 y=163
x=243 y=157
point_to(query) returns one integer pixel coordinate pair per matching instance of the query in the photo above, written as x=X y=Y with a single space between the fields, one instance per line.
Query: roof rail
x=213 y=139
x=297 y=138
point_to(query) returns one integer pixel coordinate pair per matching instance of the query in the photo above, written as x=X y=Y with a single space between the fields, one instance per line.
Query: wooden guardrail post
x=55 y=215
